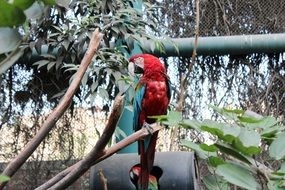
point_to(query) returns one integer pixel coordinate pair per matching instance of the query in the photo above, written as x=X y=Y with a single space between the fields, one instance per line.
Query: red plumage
x=154 y=102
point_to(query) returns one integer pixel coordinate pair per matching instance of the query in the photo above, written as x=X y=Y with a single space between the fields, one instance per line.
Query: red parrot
x=151 y=99
x=135 y=173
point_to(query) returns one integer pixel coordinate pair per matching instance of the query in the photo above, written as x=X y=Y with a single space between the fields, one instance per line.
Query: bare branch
x=20 y=159
x=103 y=180
x=70 y=174
x=83 y=165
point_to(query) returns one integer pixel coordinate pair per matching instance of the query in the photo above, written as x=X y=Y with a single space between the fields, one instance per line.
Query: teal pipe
x=219 y=45
x=125 y=123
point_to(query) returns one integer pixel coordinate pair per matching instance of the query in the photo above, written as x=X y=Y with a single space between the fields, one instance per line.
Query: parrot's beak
x=138 y=69
x=136 y=66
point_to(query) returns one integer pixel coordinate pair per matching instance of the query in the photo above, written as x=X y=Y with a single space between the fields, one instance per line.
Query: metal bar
x=219 y=45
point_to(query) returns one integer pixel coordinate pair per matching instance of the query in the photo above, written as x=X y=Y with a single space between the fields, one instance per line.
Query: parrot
x=152 y=97
x=135 y=173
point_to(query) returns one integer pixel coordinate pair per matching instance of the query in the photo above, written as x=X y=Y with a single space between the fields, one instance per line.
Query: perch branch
x=20 y=159
x=98 y=150
x=67 y=176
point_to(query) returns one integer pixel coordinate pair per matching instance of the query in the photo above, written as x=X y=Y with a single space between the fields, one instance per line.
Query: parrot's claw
x=148 y=127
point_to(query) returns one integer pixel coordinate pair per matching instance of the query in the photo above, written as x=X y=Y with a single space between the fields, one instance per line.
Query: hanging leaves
x=238 y=175
x=237 y=141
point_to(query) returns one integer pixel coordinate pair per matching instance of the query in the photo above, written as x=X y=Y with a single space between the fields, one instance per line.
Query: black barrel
x=179 y=171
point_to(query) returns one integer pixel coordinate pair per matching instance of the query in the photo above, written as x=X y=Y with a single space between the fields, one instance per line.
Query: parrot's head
x=134 y=173
x=145 y=62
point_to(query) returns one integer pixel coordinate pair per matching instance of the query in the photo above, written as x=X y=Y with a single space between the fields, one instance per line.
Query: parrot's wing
x=140 y=89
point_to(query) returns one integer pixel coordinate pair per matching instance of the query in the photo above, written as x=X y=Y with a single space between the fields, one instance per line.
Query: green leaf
x=276 y=149
x=227 y=113
x=214 y=182
x=192 y=124
x=49 y=2
x=275 y=185
x=23 y=4
x=222 y=130
x=4 y=178
x=262 y=123
x=8 y=62
x=230 y=133
x=215 y=161
x=10 y=15
x=173 y=118
x=272 y=131
x=9 y=38
x=161 y=118
x=248 y=142
x=212 y=127
x=248 y=119
x=238 y=175
x=202 y=153
x=209 y=148
x=233 y=152
x=267 y=122
x=249 y=138
x=251 y=150
x=236 y=111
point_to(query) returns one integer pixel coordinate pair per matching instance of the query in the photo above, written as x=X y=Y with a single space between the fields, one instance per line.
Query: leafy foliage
x=235 y=148
x=50 y=40
x=4 y=178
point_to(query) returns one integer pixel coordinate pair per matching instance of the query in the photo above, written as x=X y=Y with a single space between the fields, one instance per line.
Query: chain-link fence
x=254 y=81
x=223 y=17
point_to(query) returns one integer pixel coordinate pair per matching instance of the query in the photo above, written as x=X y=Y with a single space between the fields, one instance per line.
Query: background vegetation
x=60 y=30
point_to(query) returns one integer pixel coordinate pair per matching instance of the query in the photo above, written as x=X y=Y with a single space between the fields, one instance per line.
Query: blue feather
x=138 y=105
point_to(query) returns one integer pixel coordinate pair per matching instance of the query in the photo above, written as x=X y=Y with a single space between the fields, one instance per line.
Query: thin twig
x=185 y=78
x=103 y=180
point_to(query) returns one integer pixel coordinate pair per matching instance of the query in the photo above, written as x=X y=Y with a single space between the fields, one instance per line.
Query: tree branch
x=83 y=165
x=70 y=174
x=20 y=159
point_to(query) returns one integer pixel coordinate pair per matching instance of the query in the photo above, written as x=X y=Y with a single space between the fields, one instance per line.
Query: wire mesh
x=253 y=81
x=223 y=17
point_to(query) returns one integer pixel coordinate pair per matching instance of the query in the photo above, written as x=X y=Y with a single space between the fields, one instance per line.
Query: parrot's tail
x=146 y=159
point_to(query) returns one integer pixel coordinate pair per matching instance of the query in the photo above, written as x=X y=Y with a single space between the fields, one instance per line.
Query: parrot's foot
x=148 y=128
